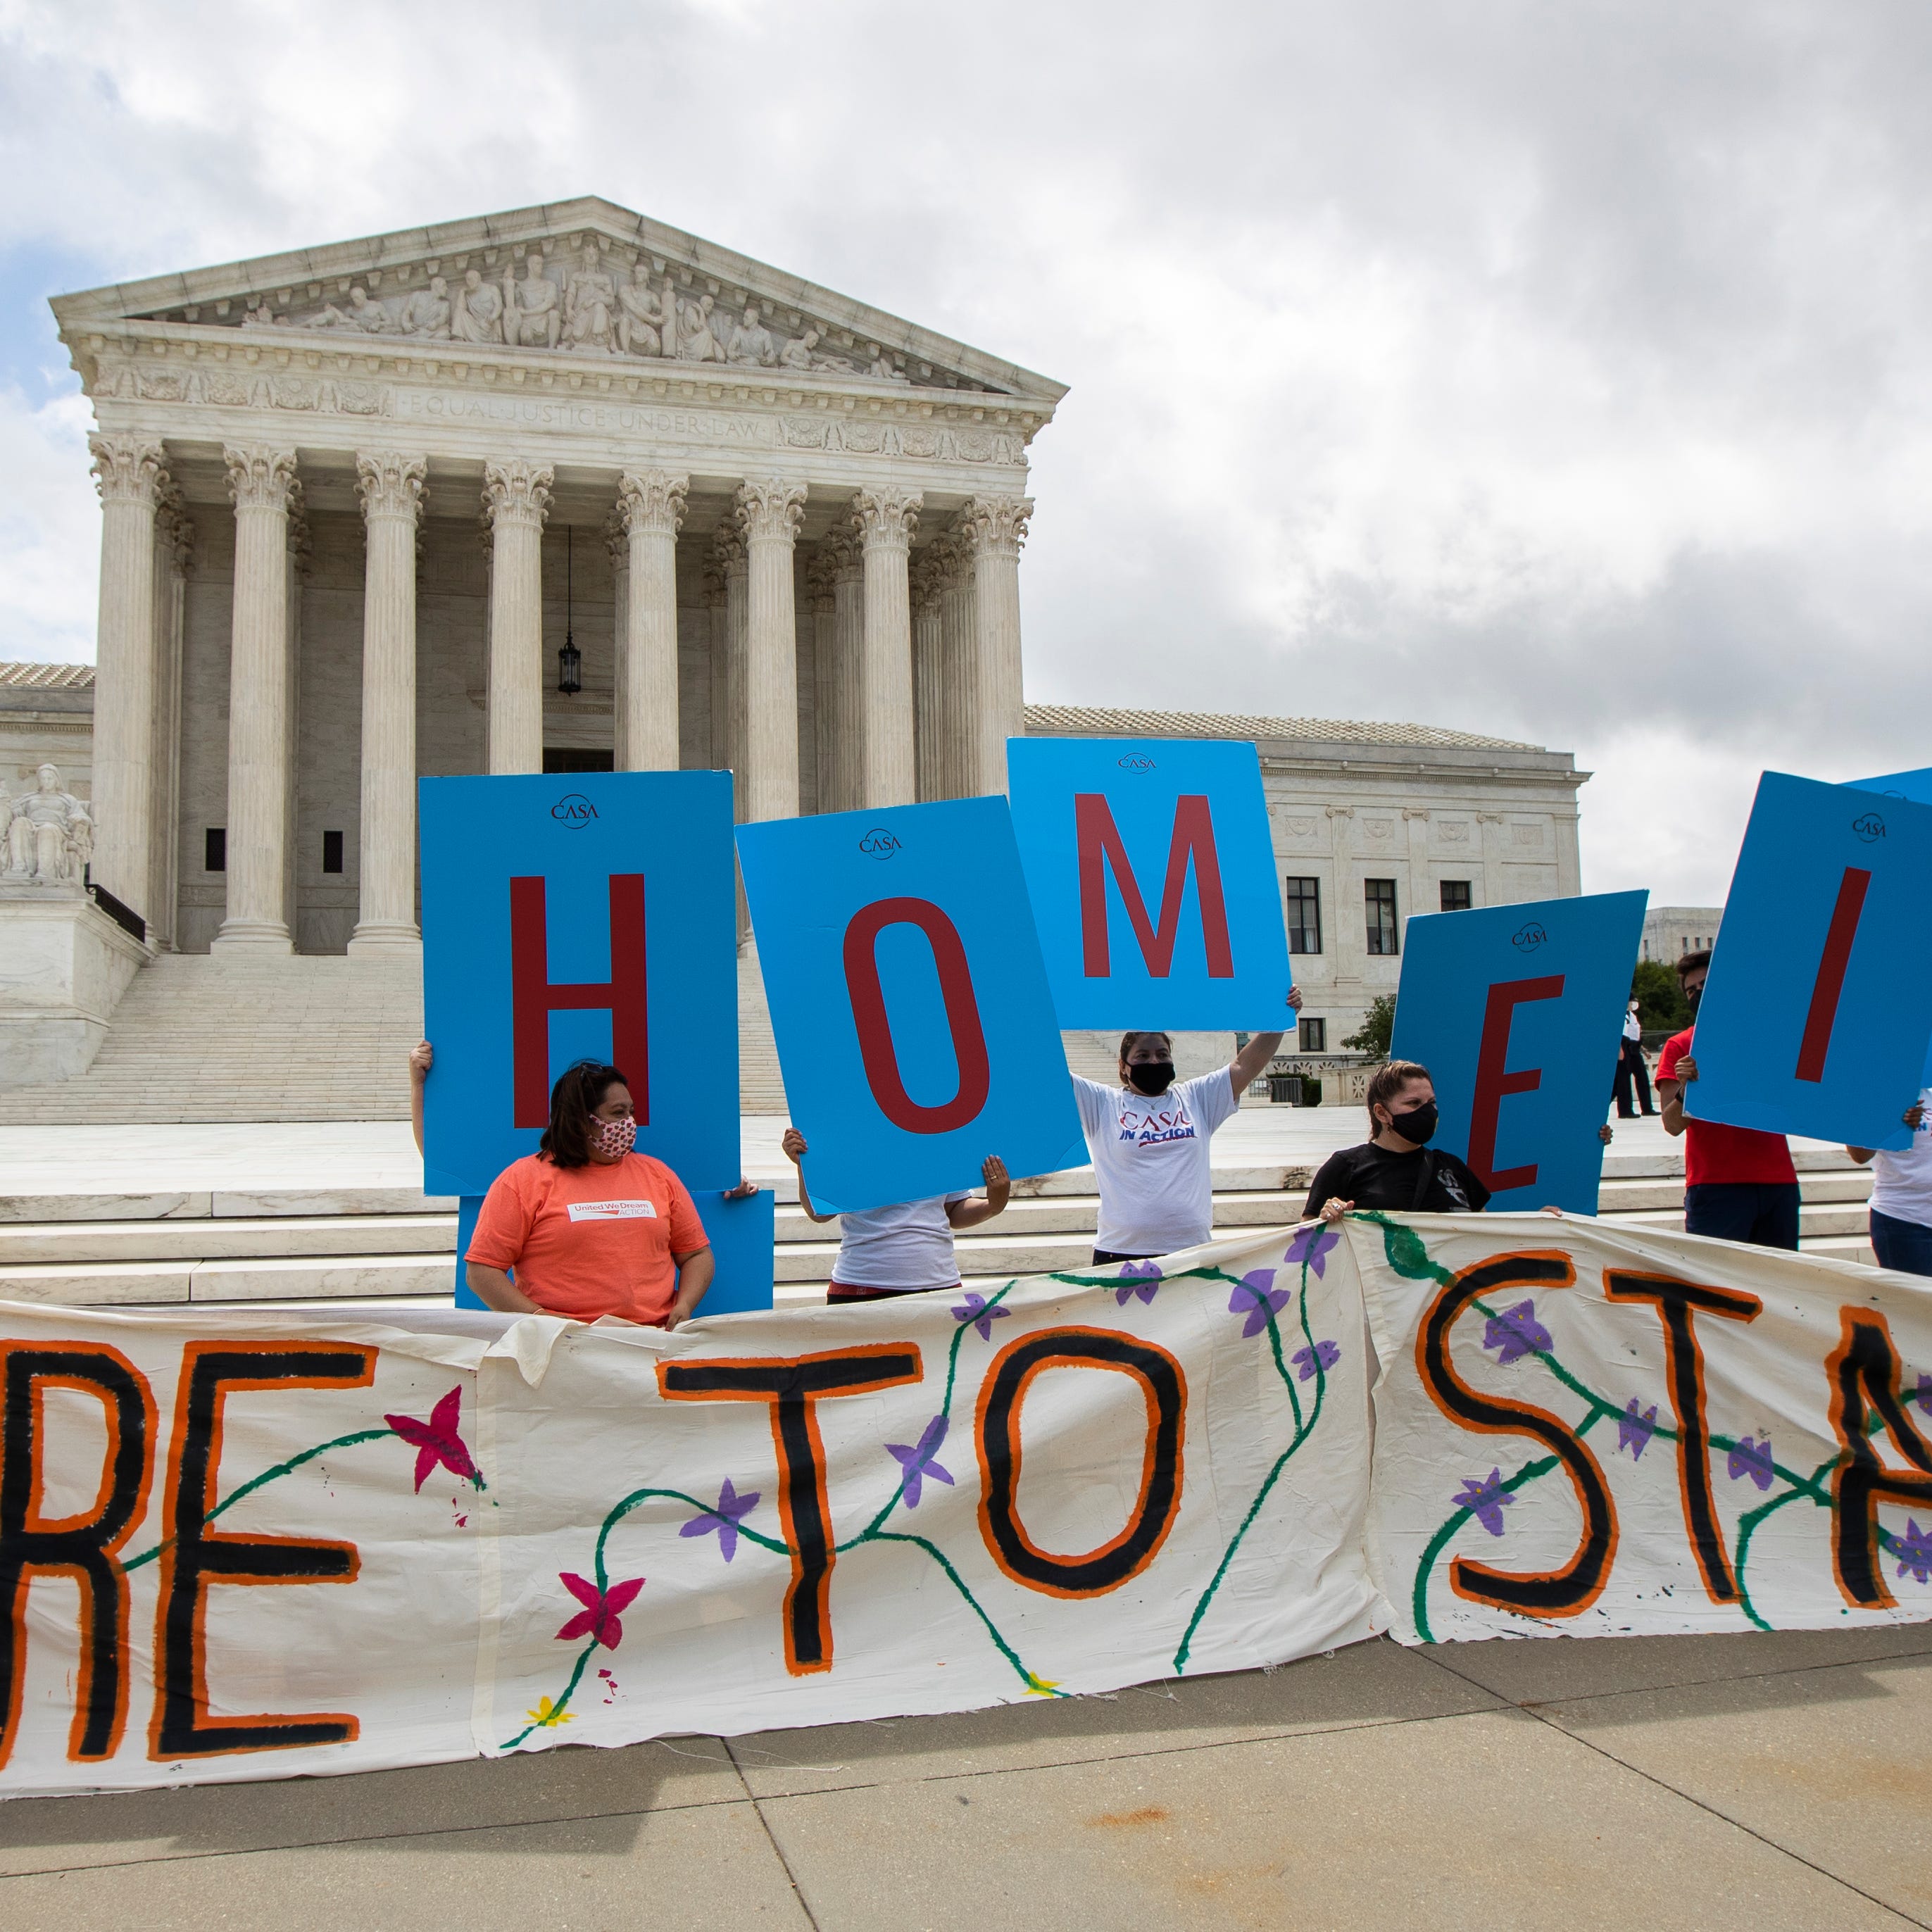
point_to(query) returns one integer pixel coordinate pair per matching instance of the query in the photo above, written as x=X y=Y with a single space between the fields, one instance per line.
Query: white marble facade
x=353 y=496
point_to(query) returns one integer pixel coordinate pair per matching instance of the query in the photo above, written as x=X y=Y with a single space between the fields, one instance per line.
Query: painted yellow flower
x=1041 y=1687
x=548 y=1715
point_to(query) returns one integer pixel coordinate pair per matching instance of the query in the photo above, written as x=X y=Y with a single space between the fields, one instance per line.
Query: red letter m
x=625 y=996
x=1100 y=847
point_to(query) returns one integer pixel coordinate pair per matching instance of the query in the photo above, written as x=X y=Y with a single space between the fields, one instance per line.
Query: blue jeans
x=1906 y=1246
x=1764 y=1212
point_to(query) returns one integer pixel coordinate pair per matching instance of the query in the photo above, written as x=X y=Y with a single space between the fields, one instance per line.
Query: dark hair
x=1692 y=961
x=1129 y=1041
x=1389 y=1079
x=578 y=1093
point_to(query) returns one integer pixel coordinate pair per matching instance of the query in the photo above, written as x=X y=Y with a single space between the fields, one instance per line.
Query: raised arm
x=1246 y=1066
x=795 y=1151
x=999 y=1191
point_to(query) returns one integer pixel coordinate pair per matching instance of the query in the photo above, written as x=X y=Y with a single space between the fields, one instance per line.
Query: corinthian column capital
x=926 y=578
x=651 y=499
x=727 y=549
x=127 y=469
x=616 y=540
x=390 y=483
x=819 y=573
x=260 y=478
x=516 y=493
x=771 y=507
x=885 y=517
x=995 y=524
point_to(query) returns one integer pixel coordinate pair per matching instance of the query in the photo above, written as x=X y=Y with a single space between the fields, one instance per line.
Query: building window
x=1304 y=915
x=569 y=758
x=1456 y=895
x=214 y=849
x=1314 y=1035
x=1379 y=895
x=331 y=851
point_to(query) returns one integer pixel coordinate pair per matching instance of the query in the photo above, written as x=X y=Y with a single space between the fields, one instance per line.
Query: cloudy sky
x=1560 y=371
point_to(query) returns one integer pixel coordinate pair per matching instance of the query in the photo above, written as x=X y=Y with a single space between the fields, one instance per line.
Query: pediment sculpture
x=49 y=835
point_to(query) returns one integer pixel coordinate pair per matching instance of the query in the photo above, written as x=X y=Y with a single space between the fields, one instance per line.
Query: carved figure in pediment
x=880 y=364
x=426 y=312
x=50 y=834
x=533 y=308
x=477 y=315
x=260 y=316
x=364 y=316
x=644 y=326
x=695 y=341
x=751 y=342
x=590 y=317
x=796 y=354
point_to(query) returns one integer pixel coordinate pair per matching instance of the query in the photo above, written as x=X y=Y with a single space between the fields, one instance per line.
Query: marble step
x=362 y=1278
x=226 y=1239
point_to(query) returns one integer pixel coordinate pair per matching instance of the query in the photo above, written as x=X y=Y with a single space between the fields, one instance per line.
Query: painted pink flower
x=598 y=1620
x=436 y=1442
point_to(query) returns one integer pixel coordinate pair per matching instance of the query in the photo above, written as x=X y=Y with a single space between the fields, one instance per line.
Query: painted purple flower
x=732 y=1509
x=1311 y=1245
x=1515 y=1333
x=1137 y=1278
x=975 y=1310
x=1914 y=1552
x=1255 y=1298
x=598 y=1620
x=1485 y=1501
x=917 y=1460
x=1753 y=1459
x=1323 y=1355
x=1634 y=1430
x=1922 y=1394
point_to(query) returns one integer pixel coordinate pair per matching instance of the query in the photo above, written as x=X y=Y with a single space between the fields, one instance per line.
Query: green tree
x=1659 y=999
x=1377 y=1029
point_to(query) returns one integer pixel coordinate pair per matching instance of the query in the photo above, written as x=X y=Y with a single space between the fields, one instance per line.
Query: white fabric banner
x=488 y=1535
x=492 y=1535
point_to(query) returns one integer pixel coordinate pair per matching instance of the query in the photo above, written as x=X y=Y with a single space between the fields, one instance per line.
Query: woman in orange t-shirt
x=590 y=1226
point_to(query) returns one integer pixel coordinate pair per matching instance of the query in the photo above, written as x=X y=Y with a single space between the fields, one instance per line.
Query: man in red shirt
x=1740 y=1185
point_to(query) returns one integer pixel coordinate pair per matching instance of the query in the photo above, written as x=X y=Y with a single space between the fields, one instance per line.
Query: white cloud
x=49 y=530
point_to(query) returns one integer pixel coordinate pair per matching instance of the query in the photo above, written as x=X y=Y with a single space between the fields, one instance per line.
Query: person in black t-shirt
x=1396 y=1170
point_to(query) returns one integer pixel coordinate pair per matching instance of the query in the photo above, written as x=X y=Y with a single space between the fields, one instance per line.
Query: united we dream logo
x=574 y=810
x=878 y=843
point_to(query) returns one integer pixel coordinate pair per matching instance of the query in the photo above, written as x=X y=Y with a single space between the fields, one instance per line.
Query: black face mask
x=1418 y=1125
x=1694 y=994
x=1151 y=1076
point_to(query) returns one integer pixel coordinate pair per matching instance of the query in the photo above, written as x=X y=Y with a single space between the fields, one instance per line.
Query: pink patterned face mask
x=611 y=1140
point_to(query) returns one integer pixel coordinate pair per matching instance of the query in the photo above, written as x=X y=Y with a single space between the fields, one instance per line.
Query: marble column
x=262 y=481
x=770 y=510
x=734 y=566
x=958 y=741
x=391 y=487
x=718 y=620
x=994 y=527
x=617 y=543
x=652 y=504
x=516 y=499
x=174 y=557
x=885 y=518
x=301 y=554
x=128 y=471
x=821 y=601
x=926 y=584
x=848 y=647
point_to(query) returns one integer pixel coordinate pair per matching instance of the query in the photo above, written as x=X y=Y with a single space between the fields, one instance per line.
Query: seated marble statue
x=532 y=308
x=478 y=314
x=695 y=341
x=589 y=309
x=426 y=310
x=751 y=342
x=50 y=834
x=640 y=318
x=370 y=318
x=796 y=354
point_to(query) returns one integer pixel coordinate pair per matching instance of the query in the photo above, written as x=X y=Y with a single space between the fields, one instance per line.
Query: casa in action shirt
x=908 y=1245
x=1713 y=1152
x=1150 y=1158
x=1373 y=1177
x=586 y=1241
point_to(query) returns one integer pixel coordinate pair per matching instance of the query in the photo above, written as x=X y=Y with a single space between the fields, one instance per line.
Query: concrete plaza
x=1761 y=1782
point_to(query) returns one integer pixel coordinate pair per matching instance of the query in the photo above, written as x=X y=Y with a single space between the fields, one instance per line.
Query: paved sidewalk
x=1757 y=1782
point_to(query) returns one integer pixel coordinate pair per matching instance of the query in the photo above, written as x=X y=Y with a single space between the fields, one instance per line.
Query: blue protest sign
x=563 y=917
x=1517 y=1011
x=915 y=1031
x=1817 y=1009
x=1151 y=870
x=1916 y=786
x=741 y=1246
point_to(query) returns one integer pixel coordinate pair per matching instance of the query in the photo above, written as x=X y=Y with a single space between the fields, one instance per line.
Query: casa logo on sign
x=1869 y=827
x=1529 y=937
x=878 y=843
x=573 y=809
x=1136 y=761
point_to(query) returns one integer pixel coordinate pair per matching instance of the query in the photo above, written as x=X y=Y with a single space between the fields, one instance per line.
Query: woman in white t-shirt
x=905 y=1248
x=1149 y=1140
x=1901 y=1200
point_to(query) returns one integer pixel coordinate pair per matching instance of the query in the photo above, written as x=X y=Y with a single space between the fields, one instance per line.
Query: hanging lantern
x=569 y=658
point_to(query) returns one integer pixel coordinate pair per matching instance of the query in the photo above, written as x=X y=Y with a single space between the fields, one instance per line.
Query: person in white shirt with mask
x=1901 y=1200
x=905 y=1248
x=1149 y=1138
